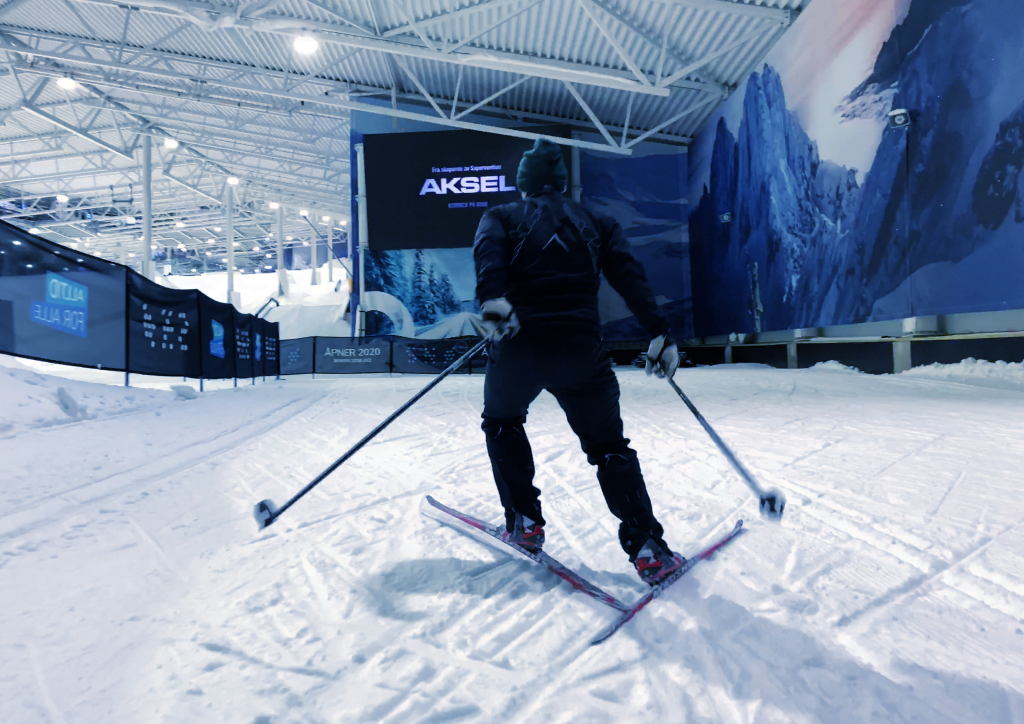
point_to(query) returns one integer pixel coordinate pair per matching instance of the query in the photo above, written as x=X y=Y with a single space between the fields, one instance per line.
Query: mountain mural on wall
x=933 y=227
x=646 y=194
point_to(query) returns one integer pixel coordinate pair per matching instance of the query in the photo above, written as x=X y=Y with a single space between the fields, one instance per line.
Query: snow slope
x=136 y=587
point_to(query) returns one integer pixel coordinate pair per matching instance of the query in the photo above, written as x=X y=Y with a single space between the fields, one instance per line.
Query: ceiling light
x=170 y=144
x=255 y=248
x=211 y=241
x=305 y=45
x=129 y=219
x=152 y=246
x=29 y=266
x=344 y=222
x=325 y=218
x=193 y=270
x=62 y=199
x=287 y=238
x=305 y=243
x=224 y=260
x=18 y=243
x=235 y=244
x=269 y=255
x=232 y=180
x=35 y=230
x=79 y=261
x=275 y=205
x=67 y=83
x=131 y=254
x=209 y=253
x=179 y=224
x=268 y=266
x=304 y=212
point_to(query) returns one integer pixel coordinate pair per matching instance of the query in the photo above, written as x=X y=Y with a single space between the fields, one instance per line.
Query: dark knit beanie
x=542 y=166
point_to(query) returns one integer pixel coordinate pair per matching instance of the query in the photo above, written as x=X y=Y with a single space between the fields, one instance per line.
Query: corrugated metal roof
x=231 y=83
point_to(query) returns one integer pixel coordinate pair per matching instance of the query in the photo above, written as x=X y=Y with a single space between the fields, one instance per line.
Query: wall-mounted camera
x=899 y=118
x=725 y=218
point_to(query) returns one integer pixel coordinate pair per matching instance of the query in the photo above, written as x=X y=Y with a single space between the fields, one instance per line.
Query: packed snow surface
x=135 y=586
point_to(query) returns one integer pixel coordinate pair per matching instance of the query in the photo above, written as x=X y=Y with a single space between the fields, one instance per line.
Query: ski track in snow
x=136 y=587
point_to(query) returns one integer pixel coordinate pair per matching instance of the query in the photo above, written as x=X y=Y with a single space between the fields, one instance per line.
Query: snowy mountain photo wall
x=810 y=210
x=432 y=290
x=646 y=194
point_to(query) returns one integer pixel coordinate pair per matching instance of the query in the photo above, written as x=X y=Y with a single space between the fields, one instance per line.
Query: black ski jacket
x=546 y=254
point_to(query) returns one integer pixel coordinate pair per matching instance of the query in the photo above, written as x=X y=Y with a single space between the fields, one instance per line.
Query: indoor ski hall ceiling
x=261 y=92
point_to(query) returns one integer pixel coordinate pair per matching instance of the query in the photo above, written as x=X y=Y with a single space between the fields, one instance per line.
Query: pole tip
x=264 y=513
x=773 y=503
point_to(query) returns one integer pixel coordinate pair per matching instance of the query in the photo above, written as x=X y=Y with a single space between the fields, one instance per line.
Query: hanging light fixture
x=170 y=144
x=62 y=198
x=274 y=205
x=305 y=45
x=304 y=212
x=232 y=180
x=67 y=84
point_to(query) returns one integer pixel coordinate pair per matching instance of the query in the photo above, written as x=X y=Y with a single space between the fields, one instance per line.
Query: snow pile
x=833 y=366
x=32 y=400
x=1001 y=375
x=256 y=289
x=185 y=392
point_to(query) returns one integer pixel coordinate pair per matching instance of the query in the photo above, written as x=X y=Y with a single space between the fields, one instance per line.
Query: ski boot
x=654 y=563
x=526 y=534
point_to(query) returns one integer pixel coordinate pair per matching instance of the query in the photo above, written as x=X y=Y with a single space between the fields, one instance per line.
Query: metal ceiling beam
x=660 y=45
x=593 y=13
x=493 y=26
x=72 y=128
x=324 y=101
x=724 y=50
x=345 y=35
x=732 y=7
x=484 y=6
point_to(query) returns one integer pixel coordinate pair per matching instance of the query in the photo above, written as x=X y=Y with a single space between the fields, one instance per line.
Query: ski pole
x=265 y=511
x=772 y=502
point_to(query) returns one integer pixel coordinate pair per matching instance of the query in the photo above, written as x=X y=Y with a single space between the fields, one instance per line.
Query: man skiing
x=538 y=265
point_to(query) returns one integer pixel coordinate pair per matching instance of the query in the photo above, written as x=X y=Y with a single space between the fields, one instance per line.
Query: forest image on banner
x=811 y=211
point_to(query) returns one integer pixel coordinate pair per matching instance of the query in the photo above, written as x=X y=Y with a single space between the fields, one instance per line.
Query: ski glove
x=662 y=357
x=498 y=319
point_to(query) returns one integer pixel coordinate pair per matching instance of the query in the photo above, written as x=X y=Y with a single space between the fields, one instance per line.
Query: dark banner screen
x=58 y=305
x=429 y=190
x=434 y=356
x=297 y=356
x=345 y=355
x=163 y=329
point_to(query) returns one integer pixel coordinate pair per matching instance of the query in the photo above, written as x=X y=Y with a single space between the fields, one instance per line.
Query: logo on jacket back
x=466 y=184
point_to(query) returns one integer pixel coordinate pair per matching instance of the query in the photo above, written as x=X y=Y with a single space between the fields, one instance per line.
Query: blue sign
x=217 y=343
x=259 y=346
x=66 y=308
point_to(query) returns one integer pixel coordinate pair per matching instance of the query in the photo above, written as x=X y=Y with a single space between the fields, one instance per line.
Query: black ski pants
x=578 y=373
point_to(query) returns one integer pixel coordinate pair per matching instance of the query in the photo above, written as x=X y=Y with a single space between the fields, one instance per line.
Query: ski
x=660 y=588
x=567 y=575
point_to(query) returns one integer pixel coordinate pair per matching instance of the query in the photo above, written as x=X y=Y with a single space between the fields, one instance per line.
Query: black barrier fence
x=59 y=305
x=349 y=355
